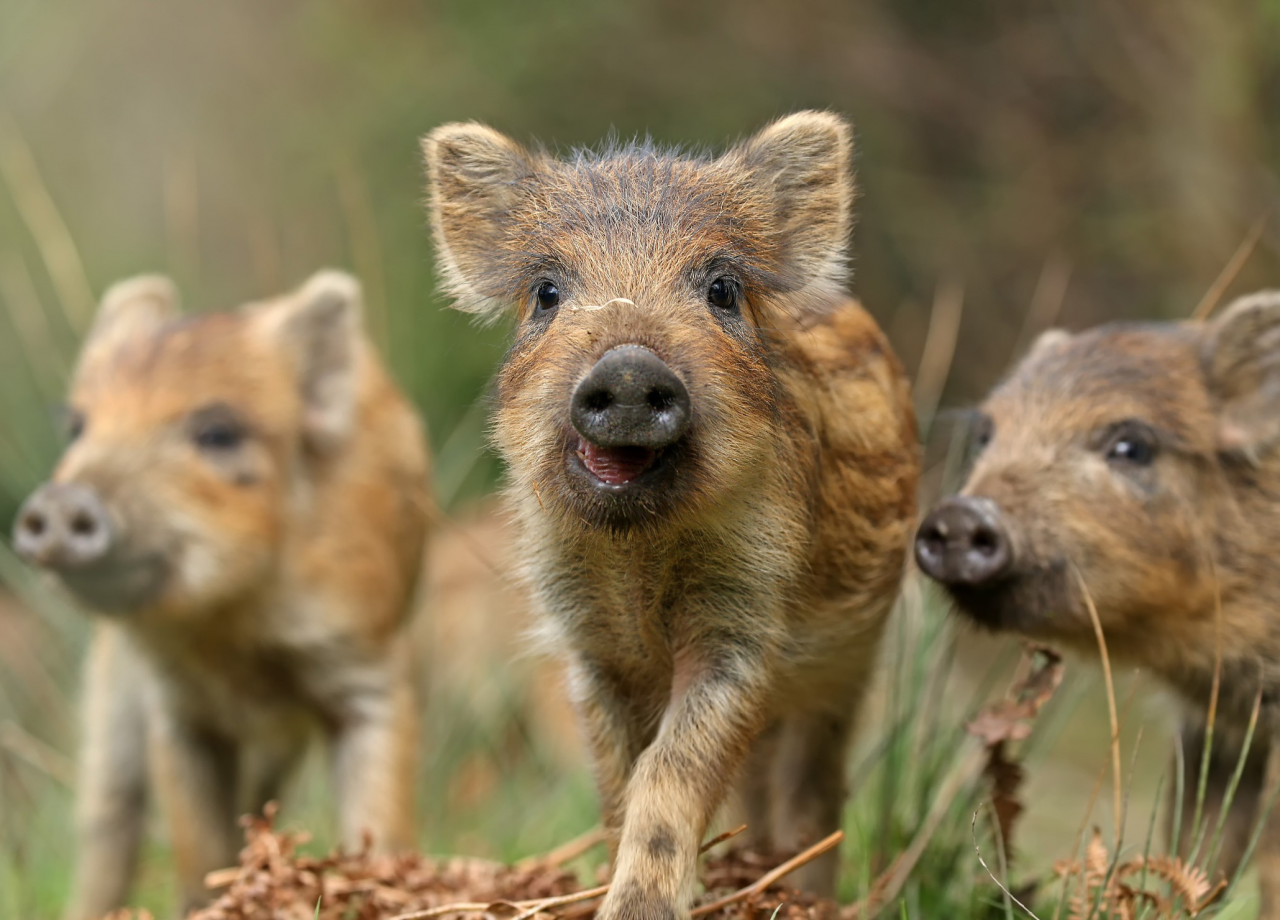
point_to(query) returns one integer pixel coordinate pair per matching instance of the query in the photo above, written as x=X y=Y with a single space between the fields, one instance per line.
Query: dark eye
x=217 y=429
x=984 y=429
x=74 y=422
x=1132 y=445
x=548 y=299
x=219 y=436
x=723 y=294
x=1131 y=450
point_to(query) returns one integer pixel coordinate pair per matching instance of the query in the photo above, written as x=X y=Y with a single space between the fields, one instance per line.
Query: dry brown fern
x=1166 y=884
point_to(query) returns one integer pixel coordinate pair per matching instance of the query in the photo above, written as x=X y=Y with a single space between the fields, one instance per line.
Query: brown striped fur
x=286 y=563
x=1164 y=548
x=725 y=625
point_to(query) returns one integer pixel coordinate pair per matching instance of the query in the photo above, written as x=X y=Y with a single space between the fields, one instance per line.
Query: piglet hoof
x=634 y=902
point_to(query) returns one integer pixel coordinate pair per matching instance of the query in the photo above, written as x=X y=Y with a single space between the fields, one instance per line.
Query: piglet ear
x=805 y=164
x=474 y=177
x=320 y=329
x=1047 y=343
x=1241 y=359
x=134 y=307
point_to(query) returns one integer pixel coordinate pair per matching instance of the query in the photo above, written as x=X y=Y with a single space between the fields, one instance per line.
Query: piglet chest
x=634 y=606
x=234 y=689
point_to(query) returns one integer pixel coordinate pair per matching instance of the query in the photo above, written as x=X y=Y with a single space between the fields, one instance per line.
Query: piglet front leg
x=715 y=711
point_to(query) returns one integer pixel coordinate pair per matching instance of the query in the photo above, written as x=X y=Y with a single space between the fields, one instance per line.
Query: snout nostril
x=660 y=401
x=34 y=524
x=963 y=542
x=630 y=398
x=63 y=526
x=83 y=524
x=986 y=542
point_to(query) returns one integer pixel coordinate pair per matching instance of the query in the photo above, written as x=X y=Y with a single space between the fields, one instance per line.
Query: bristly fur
x=725 y=620
x=1177 y=552
x=286 y=558
x=497 y=209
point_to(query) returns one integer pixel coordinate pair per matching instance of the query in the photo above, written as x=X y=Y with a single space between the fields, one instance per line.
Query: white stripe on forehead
x=574 y=308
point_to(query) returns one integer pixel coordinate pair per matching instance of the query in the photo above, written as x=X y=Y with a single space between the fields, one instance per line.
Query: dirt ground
x=476 y=621
x=473 y=640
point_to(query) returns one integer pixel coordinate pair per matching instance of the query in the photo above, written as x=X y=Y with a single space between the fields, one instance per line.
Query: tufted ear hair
x=473 y=180
x=805 y=162
x=1241 y=359
x=133 y=307
x=1047 y=343
x=320 y=329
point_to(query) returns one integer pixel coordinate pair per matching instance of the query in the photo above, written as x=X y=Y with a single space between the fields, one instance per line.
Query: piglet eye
x=217 y=429
x=74 y=424
x=723 y=294
x=1132 y=451
x=984 y=429
x=219 y=437
x=548 y=298
x=1133 y=445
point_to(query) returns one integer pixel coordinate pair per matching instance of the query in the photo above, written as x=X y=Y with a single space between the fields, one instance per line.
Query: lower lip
x=615 y=466
x=118 y=587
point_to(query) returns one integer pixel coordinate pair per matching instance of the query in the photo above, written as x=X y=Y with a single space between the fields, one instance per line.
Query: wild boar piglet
x=1136 y=467
x=712 y=463
x=243 y=504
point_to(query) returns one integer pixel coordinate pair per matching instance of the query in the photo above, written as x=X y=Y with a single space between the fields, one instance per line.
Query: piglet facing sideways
x=713 y=464
x=1135 y=469
x=243 y=504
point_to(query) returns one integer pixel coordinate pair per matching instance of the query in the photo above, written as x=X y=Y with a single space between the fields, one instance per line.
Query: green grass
x=490 y=785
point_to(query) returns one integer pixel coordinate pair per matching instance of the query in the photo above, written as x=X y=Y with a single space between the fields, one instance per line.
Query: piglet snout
x=631 y=398
x=963 y=541
x=63 y=526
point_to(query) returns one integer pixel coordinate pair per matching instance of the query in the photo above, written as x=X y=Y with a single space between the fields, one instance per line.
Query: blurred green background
x=1057 y=162
x=1124 y=145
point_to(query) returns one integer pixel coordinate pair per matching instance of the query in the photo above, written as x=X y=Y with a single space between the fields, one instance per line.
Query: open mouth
x=1034 y=602
x=983 y=607
x=118 y=586
x=616 y=466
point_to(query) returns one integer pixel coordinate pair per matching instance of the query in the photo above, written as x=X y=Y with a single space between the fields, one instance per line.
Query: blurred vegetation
x=1119 y=148
x=1043 y=163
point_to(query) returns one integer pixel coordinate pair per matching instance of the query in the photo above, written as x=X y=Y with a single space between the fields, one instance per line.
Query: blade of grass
x=1046 y=300
x=1111 y=697
x=264 y=249
x=182 y=216
x=939 y=350
x=45 y=362
x=1211 y=859
x=1088 y=813
x=934 y=700
x=1204 y=309
x=1273 y=791
x=1008 y=894
x=460 y=452
x=1002 y=855
x=46 y=226
x=1114 y=862
x=965 y=770
x=52 y=763
x=1206 y=753
x=361 y=223
x=1146 y=849
x=891 y=777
